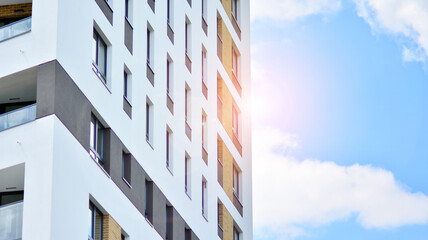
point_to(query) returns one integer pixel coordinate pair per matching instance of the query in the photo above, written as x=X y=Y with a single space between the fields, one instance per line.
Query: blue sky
x=342 y=95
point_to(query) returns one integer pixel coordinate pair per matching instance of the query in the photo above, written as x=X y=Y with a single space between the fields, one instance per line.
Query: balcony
x=15 y=19
x=18 y=117
x=18 y=94
x=11 y=221
x=11 y=202
x=15 y=29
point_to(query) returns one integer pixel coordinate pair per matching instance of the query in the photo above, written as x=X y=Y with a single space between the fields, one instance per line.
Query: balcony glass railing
x=17 y=117
x=11 y=221
x=15 y=29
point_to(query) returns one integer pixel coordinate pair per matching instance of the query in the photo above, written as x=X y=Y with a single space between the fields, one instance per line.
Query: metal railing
x=11 y=221
x=18 y=117
x=16 y=28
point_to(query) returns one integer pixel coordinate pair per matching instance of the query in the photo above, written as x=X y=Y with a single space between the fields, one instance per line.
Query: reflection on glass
x=17 y=117
x=11 y=221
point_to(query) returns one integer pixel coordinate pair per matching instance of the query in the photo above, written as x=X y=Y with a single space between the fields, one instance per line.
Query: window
x=127 y=9
x=187 y=39
x=127 y=86
x=149 y=201
x=236 y=176
x=204 y=198
x=95 y=231
x=169 y=222
x=204 y=66
x=235 y=121
x=235 y=63
x=204 y=9
x=169 y=76
x=187 y=234
x=235 y=234
x=235 y=9
x=169 y=149
x=97 y=140
x=187 y=175
x=99 y=56
x=169 y=13
x=204 y=130
x=150 y=45
x=126 y=167
x=122 y=237
x=149 y=122
x=187 y=104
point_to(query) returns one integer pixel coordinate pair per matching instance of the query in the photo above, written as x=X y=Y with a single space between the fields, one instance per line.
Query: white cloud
x=292 y=9
x=408 y=18
x=289 y=193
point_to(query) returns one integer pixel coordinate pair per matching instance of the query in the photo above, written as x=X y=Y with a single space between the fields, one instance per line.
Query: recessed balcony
x=18 y=99
x=15 y=19
x=11 y=202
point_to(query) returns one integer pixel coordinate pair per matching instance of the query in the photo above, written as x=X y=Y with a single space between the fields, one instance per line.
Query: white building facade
x=125 y=119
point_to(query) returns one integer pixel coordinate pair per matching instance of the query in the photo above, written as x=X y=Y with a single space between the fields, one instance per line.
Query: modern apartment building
x=125 y=119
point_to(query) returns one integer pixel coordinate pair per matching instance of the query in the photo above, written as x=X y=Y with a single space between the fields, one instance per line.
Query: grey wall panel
x=151 y=4
x=194 y=237
x=159 y=211
x=58 y=94
x=72 y=107
x=170 y=33
x=45 y=89
x=129 y=35
x=178 y=226
x=112 y=154
x=127 y=107
x=106 y=9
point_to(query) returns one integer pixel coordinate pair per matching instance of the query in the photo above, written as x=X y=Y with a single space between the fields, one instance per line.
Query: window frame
x=234 y=9
x=235 y=63
x=236 y=181
x=235 y=121
x=94 y=138
x=93 y=214
x=126 y=84
x=204 y=198
x=96 y=62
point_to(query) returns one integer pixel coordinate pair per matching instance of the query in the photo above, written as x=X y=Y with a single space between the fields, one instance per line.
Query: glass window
x=168 y=11
x=149 y=47
x=169 y=150
x=187 y=175
x=149 y=122
x=204 y=66
x=204 y=130
x=127 y=9
x=204 y=9
x=99 y=54
x=235 y=121
x=187 y=105
x=204 y=198
x=236 y=181
x=235 y=9
x=168 y=77
x=125 y=83
x=95 y=231
x=235 y=58
x=97 y=140
x=235 y=234
x=126 y=167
